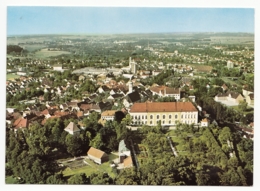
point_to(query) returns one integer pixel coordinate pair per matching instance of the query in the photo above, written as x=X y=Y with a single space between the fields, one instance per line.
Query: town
x=130 y=109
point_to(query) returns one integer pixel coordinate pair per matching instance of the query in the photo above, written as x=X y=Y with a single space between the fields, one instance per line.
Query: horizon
x=97 y=34
x=53 y=20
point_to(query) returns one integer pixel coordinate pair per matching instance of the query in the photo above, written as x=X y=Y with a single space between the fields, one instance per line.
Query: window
x=170 y=116
x=135 y=117
x=151 y=122
x=182 y=116
x=176 y=116
x=169 y=122
x=163 y=116
x=142 y=117
x=139 y=117
x=163 y=122
x=151 y=116
x=158 y=116
x=146 y=117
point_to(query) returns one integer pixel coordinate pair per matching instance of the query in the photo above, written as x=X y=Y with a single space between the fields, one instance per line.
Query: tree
x=242 y=106
x=79 y=179
x=73 y=144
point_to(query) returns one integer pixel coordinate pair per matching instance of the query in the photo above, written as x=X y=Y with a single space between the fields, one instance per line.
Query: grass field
x=32 y=47
x=11 y=76
x=91 y=167
x=44 y=53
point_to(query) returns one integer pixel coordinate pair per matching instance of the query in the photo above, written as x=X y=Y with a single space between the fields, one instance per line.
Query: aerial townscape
x=173 y=108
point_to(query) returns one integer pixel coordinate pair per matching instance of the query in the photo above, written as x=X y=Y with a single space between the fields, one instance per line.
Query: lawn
x=11 y=76
x=44 y=53
x=91 y=167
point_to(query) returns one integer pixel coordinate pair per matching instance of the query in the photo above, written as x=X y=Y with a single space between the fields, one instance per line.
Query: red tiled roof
x=96 y=153
x=20 y=123
x=163 y=107
x=128 y=162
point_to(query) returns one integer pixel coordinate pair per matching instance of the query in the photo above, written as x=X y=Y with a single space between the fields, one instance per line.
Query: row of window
x=164 y=116
x=163 y=122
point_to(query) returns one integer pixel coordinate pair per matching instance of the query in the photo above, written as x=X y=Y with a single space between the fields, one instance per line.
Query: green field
x=91 y=168
x=45 y=53
x=11 y=76
x=33 y=47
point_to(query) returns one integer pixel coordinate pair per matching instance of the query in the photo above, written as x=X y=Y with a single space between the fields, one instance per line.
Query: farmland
x=44 y=53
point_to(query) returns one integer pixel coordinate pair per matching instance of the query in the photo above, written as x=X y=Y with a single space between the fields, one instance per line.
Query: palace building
x=169 y=113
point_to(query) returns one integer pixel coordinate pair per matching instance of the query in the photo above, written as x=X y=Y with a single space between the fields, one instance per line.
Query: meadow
x=44 y=53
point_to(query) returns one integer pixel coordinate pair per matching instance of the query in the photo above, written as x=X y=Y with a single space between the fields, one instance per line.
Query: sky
x=23 y=20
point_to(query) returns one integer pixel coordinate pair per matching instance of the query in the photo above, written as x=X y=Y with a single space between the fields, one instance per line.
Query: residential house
x=250 y=99
x=20 y=123
x=169 y=113
x=164 y=91
x=97 y=155
x=82 y=78
x=73 y=106
x=229 y=96
x=204 y=122
x=108 y=115
x=72 y=129
x=58 y=67
x=224 y=87
x=133 y=97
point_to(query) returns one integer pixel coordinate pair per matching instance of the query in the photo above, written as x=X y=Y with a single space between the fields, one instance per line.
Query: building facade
x=169 y=113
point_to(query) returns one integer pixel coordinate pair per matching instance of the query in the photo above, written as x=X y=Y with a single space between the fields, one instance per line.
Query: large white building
x=169 y=113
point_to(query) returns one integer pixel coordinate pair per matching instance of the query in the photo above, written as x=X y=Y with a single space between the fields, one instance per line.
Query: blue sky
x=103 y=20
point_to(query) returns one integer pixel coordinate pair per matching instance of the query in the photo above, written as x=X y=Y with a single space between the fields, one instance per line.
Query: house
x=108 y=115
x=128 y=162
x=20 y=123
x=229 y=96
x=250 y=99
x=97 y=156
x=169 y=113
x=72 y=129
x=204 y=122
x=133 y=97
x=82 y=78
x=57 y=67
x=164 y=91
x=224 y=87
x=73 y=106
x=103 y=89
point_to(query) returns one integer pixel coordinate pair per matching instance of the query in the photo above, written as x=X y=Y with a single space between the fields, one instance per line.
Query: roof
x=234 y=94
x=128 y=161
x=108 y=113
x=163 y=107
x=133 y=97
x=122 y=146
x=204 y=120
x=251 y=96
x=165 y=90
x=96 y=153
x=20 y=123
x=72 y=127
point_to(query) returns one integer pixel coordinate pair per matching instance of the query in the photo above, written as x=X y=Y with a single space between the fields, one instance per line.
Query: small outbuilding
x=97 y=155
x=72 y=129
